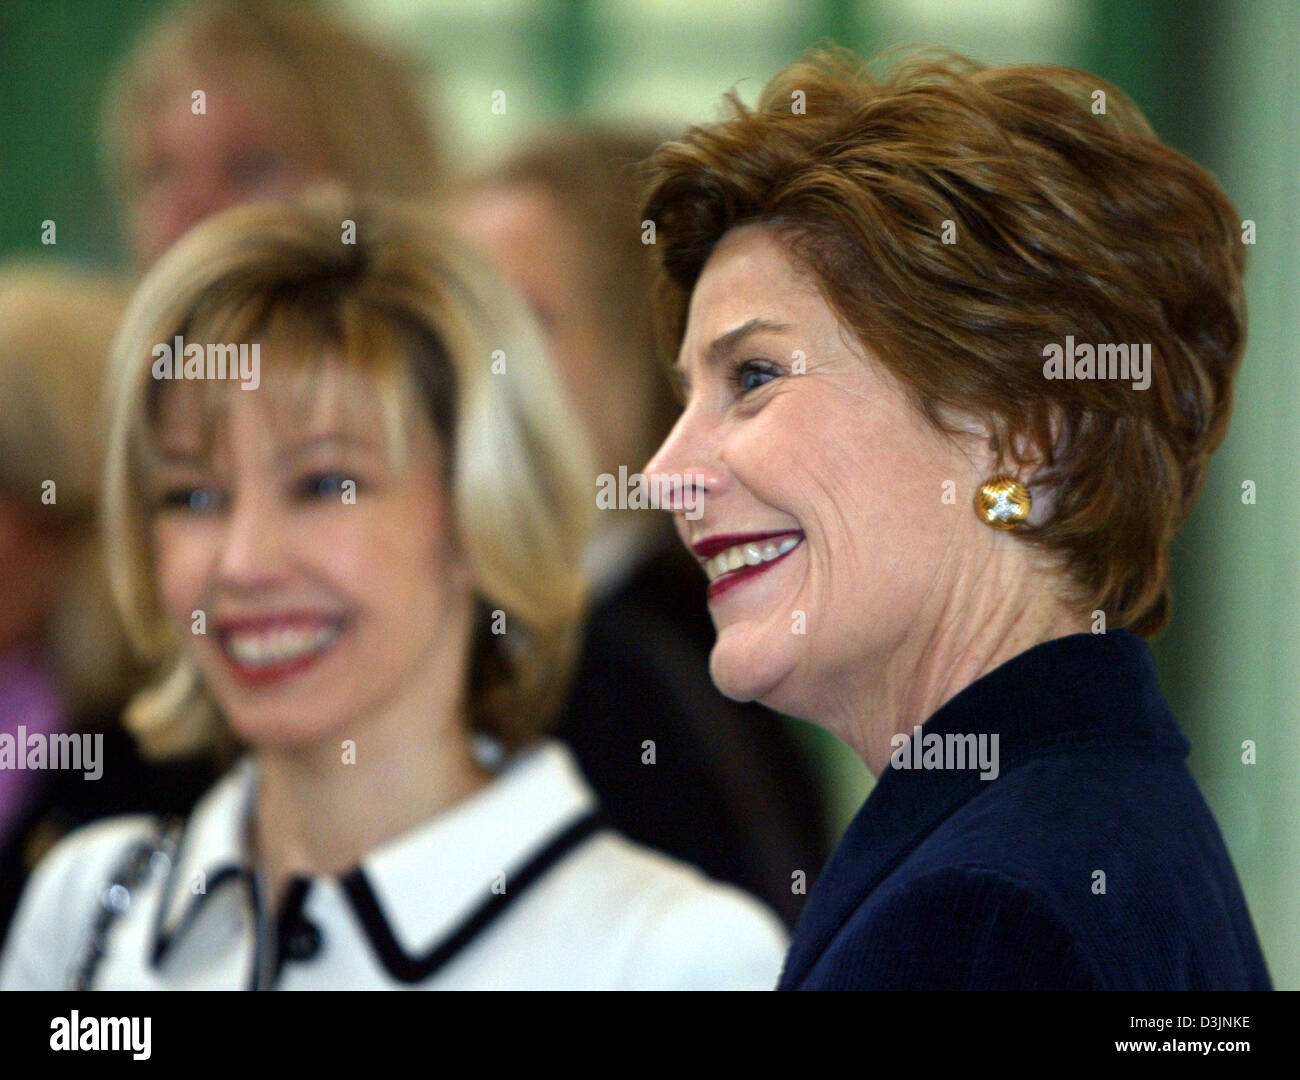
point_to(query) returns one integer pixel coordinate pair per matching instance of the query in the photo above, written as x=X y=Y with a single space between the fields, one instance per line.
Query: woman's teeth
x=750 y=554
x=278 y=646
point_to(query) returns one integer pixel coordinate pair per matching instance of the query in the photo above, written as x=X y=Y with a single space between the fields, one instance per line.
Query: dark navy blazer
x=948 y=881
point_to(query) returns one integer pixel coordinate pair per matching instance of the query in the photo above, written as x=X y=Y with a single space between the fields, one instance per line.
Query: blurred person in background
x=957 y=350
x=291 y=96
x=64 y=663
x=223 y=101
x=728 y=788
x=357 y=567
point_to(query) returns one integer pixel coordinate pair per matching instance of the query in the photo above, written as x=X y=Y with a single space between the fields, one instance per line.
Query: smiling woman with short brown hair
x=927 y=534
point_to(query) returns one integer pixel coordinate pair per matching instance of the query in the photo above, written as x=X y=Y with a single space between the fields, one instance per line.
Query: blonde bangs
x=295 y=344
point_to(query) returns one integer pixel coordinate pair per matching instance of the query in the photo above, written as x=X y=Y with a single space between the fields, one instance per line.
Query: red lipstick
x=264 y=672
x=711 y=545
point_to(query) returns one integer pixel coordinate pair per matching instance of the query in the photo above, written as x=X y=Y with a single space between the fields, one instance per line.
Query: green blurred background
x=1218 y=79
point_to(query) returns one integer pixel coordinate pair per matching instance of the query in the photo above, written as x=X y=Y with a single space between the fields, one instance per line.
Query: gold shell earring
x=1003 y=502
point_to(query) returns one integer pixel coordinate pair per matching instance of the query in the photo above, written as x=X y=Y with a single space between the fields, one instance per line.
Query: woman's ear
x=1036 y=451
x=1027 y=455
x=1034 y=456
x=1024 y=454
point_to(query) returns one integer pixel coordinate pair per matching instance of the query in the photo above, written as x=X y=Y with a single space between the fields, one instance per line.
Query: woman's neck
x=319 y=810
x=987 y=629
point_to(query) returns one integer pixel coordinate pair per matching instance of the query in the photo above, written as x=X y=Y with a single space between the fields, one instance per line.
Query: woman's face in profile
x=824 y=526
x=326 y=574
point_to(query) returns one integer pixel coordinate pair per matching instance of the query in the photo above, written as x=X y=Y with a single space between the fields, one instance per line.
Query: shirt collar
x=424 y=880
x=1080 y=690
x=430 y=878
x=213 y=847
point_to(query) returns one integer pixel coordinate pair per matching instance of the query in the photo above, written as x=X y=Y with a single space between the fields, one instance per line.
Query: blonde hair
x=362 y=103
x=428 y=322
x=55 y=326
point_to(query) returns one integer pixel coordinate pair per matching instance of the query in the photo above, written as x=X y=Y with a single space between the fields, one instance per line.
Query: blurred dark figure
x=225 y=101
x=728 y=790
x=64 y=664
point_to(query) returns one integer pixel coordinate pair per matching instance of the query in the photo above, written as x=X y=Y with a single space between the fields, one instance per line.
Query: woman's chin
x=281 y=732
x=745 y=672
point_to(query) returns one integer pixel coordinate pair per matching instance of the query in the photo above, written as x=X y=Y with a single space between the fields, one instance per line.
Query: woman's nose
x=685 y=469
x=252 y=552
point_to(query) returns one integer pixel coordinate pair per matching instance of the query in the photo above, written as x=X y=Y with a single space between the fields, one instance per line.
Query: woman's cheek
x=358 y=540
x=180 y=559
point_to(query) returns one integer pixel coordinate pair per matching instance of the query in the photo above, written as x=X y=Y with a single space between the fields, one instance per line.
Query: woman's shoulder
x=63 y=895
x=954 y=927
x=69 y=888
x=79 y=862
x=674 y=926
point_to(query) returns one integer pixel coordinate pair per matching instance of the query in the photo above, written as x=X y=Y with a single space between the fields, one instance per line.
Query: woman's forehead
x=322 y=398
x=750 y=285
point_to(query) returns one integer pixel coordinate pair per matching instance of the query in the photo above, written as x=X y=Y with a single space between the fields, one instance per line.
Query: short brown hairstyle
x=1068 y=220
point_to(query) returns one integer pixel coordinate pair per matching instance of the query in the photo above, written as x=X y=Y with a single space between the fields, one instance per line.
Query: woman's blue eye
x=750 y=375
x=196 y=499
x=326 y=485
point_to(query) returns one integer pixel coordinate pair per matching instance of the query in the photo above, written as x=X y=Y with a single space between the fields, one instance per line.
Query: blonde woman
x=353 y=554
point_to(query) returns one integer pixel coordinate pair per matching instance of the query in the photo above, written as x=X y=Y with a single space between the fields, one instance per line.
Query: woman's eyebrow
x=329 y=441
x=179 y=458
x=725 y=344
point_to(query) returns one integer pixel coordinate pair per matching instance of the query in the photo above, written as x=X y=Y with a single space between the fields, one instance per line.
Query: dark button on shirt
x=303 y=941
x=299 y=938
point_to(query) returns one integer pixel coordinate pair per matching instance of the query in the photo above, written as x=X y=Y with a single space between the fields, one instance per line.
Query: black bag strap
x=140 y=858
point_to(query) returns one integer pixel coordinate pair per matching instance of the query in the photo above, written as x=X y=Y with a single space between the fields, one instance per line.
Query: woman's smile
x=273 y=648
x=734 y=558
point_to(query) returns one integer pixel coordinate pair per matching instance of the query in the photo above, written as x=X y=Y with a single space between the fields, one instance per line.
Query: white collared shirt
x=605 y=914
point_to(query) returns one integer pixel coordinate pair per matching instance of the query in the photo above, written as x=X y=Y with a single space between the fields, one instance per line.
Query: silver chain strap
x=152 y=854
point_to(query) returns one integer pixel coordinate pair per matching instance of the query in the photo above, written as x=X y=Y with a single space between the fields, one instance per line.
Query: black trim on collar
x=163 y=940
x=409 y=969
x=163 y=935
